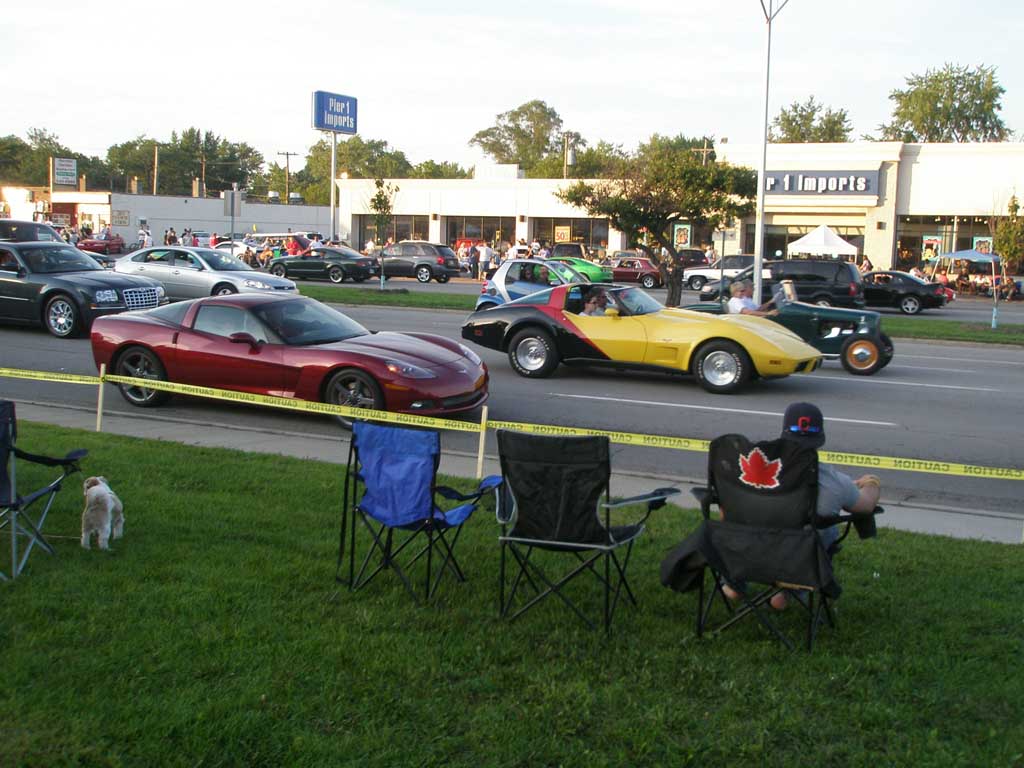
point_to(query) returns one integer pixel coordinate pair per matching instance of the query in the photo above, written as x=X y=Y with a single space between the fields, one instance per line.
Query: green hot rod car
x=853 y=336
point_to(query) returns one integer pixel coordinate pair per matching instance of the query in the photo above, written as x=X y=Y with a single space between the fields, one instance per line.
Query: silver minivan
x=188 y=273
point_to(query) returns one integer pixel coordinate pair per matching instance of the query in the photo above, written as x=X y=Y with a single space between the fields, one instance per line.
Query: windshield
x=635 y=301
x=54 y=259
x=222 y=261
x=302 y=322
x=564 y=271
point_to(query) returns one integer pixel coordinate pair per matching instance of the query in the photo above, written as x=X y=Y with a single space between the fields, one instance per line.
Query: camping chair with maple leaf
x=767 y=494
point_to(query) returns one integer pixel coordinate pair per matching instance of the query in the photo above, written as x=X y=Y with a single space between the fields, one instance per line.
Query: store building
x=892 y=200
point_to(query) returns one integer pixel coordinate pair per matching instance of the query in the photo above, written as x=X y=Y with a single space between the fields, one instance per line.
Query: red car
x=288 y=346
x=112 y=244
x=636 y=270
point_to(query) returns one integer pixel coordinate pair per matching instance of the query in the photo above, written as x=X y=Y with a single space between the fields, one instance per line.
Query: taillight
x=939 y=290
x=483 y=288
x=853 y=289
x=440 y=260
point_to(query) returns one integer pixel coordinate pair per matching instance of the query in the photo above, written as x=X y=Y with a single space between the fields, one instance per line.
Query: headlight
x=259 y=284
x=408 y=370
x=108 y=296
x=160 y=291
x=474 y=358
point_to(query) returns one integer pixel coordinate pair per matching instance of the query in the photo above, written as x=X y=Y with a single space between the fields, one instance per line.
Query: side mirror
x=611 y=312
x=245 y=338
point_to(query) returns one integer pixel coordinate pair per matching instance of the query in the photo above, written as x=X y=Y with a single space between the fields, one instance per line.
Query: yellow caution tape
x=409 y=419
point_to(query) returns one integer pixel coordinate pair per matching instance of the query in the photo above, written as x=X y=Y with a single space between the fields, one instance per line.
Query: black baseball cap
x=804 y=424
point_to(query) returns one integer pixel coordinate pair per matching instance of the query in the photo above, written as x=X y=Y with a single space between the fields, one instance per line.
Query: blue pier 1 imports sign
x=334 y=112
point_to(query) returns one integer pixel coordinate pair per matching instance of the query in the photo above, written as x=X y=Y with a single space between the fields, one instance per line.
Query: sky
x=429 y=75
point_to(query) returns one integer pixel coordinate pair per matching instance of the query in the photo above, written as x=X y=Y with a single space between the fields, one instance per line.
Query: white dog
x=103 y=514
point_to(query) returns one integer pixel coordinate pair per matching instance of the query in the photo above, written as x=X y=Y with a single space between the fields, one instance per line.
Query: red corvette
x=288 y=346
x=113 y=244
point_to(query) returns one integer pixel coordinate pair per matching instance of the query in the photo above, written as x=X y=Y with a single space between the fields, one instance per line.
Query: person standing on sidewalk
x=484 y=255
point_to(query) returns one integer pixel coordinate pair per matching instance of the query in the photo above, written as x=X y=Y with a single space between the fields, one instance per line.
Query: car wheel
x=822 y=301
x=336 y=275
x=423 y=274
x=355 y=389
x=910 y=305
x=697 y=282
x=279 y=270
x=442 y=278
x=141 y=363
x=862 y=355
x=62 y=317
x=224 y=289
x=648 y=281
x=722 y=367
x=532 y=353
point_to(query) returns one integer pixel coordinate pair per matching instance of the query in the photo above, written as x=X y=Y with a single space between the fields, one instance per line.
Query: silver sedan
x=188 y=273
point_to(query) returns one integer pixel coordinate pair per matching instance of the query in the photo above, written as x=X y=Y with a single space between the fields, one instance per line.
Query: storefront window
x=922 y=237
x=777 y=238
x=590 y=232
x=493 y=229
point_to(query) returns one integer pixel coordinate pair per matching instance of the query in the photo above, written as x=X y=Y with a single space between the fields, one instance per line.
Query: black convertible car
x=64 y=289
x=902 y=290
x=335 y=263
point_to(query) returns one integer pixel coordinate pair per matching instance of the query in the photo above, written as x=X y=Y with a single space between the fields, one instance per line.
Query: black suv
x=830 y=282
x=420 y=259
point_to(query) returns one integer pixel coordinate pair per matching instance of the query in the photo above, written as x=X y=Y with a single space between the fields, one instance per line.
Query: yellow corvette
x=629 y=329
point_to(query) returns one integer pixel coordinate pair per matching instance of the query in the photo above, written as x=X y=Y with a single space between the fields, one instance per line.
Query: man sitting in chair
x=804 y=424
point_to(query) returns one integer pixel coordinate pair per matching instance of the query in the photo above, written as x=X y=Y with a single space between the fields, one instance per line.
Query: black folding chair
x=550 y=499
x=767 y=495
x=17 y=516
x=396 y=469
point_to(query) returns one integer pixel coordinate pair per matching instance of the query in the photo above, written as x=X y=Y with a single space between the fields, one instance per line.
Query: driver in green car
x=742 y=302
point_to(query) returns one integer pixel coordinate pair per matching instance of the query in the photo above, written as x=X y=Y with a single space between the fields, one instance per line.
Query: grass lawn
x=209 y=636
x=392 y=296
x=951 y=330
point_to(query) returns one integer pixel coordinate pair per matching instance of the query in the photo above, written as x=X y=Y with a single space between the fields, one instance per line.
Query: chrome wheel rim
x=720 y=369
x=531 y=354
x=336 y=275
x=423 y=275
x=278 y=271
x=138 y=365
x=910 y=305
x=61 y=317
x=862 y=355
x=225 y=291
x=353 y=393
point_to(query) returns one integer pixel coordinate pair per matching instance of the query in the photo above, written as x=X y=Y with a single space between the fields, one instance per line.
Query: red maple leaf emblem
x=758 y=472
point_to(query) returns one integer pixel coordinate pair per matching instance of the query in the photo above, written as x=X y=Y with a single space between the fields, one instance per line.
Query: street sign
x=233 y=200
x=334 y=112
x=65 y=172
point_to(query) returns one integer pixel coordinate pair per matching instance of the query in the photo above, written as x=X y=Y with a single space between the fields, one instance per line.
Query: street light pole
x=287 y=173
x=770 y=12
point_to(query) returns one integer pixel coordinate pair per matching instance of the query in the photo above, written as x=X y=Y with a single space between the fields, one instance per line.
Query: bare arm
x=870 y=492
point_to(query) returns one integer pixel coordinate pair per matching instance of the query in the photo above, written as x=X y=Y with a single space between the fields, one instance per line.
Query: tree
x=525 y=135
x=597 y=162
x=953 y=104
x=429 y=169
x=1008 y=237
x=663 y=183
x=382 y=205
x=809 y=123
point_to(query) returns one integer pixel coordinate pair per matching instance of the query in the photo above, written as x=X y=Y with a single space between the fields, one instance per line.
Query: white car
x=695 y=278
x=234 y=247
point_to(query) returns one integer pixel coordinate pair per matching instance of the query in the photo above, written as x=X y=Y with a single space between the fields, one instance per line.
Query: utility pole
x=202 y=174
x=287 y=172
x=156 y=164
x=704 y=152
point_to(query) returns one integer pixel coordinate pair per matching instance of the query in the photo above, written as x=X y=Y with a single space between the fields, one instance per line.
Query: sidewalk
x=945 y=521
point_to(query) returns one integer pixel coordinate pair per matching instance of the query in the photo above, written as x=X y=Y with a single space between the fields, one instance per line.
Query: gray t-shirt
x=836 y=491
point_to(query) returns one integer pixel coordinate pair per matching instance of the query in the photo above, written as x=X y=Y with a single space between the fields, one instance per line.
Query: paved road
x=972 y=310
x=939 y=402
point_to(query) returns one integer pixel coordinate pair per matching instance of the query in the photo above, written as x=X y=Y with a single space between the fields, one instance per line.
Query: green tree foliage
x=27 y=162
x=597 y=162
x=662 y=183
x=525 y=135
x=430 y=169
x=952 y=104
x=810 y=122
x=1008 y=237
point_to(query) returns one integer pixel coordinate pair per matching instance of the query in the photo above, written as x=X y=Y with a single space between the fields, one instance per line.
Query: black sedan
x=902 y=290
x=336 y=263
x=64 y=289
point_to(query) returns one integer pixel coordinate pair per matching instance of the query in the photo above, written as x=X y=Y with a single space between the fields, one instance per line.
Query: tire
x=696 y=282
x=424 y=274
x=532 y=353
x=61 y=317
x=141 y=363
x=888 y=349
x=722 y=367
x=223 y=289
x=910 y=305
x=648 y=281
x=862 y=355
x=336 y=275
x=279 y=270
x=442 y=278
x=354 y=388
x=822 y=301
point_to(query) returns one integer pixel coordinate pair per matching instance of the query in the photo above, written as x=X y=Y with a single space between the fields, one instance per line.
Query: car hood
x=106 y=279
x=263 y=277
x=399 y=347
x=769 y=330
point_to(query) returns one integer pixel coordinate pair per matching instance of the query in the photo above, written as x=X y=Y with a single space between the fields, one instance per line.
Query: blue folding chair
x=397 y=470
x=16 y=514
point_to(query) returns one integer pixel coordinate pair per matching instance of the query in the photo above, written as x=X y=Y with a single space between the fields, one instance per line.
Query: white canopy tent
x=822 y=242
